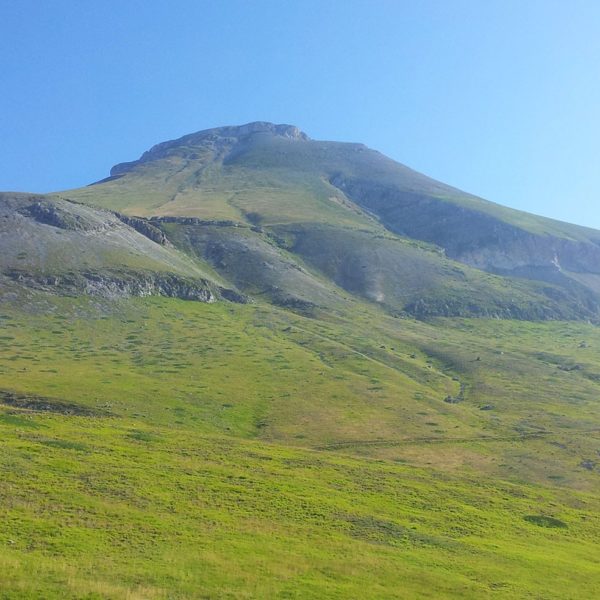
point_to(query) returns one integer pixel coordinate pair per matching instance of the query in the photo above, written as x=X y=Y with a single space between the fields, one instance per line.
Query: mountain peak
x=217 y=136
x=282 y=130
x=241 y=131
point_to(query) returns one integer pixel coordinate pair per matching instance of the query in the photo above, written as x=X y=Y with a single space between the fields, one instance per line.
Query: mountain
x=255 y=365
x=356 y=218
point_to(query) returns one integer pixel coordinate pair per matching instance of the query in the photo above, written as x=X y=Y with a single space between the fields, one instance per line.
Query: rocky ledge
x=114 y=285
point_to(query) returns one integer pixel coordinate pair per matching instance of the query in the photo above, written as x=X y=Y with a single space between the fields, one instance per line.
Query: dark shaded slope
x=403 y=275
x=247 y=259
x=304 y=266
x=478 y=238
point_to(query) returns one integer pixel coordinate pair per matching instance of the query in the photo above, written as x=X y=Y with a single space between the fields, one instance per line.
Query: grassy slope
x=316 y=158
x=279 y=183
x=247 y=451
x=370 y=261
x=285 y=181
x=244 y=451
x=177 y=187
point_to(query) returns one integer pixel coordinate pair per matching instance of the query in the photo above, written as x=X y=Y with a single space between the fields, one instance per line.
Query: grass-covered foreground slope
x=94 y=508
x=158 y=448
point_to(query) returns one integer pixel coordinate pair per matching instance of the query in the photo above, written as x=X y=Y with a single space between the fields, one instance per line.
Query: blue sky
x=500 y=98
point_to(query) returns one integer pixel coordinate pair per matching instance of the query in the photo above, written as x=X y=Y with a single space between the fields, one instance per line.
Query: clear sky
x=498 y=97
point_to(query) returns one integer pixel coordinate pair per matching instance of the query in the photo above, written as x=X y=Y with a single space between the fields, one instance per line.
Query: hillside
x=161 y=448
x=274 y=176
x=55 y=245
x=255 y=365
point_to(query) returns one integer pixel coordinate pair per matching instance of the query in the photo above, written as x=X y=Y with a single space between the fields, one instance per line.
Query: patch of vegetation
x=42 y=403
x=545 y=521
x=64 y=444
x=142 y=436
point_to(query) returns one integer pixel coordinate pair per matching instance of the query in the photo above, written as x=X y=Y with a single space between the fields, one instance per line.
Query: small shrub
x=543 y=521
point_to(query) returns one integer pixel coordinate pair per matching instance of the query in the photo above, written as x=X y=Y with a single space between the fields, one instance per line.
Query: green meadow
x=158 y=448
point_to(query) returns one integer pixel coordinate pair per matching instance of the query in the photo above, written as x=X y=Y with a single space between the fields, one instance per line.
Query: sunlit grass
x=245 y=451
